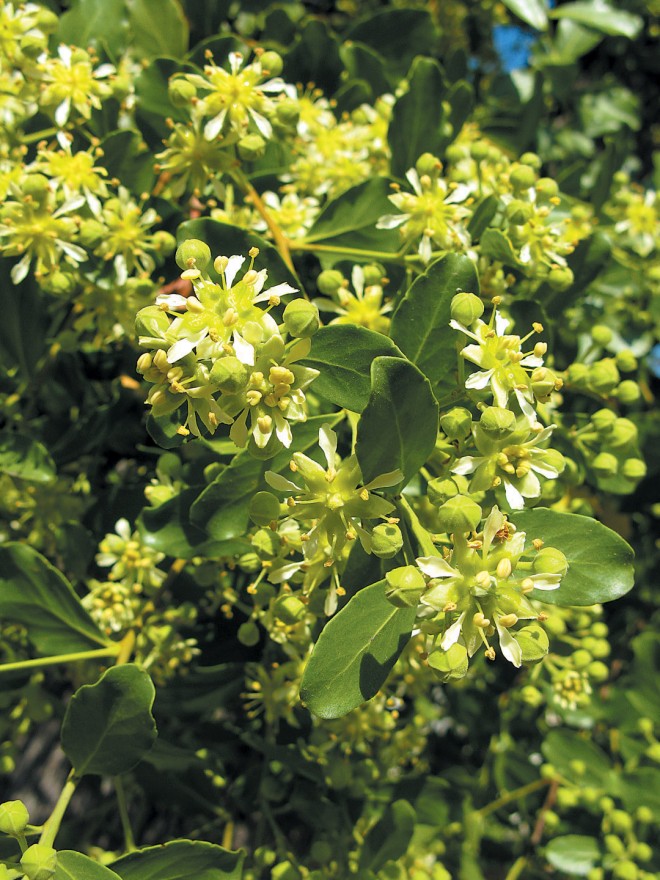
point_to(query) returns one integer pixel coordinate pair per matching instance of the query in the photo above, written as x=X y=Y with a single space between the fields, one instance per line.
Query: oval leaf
x=355 y=653
x=26 y=459
x=108 y=726
x=532 y=12
x=601 y=17
x=417 y=116
x=573 y=853
x=181 y=860
x=399 y=425
x=36 y=595
x=600 y=562
x=72 y=865
x=343 y=354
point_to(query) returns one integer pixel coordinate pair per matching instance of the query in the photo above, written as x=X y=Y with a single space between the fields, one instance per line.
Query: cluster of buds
x=610 y=447
x=364 y=305
x=223 y=357
x=479 y=589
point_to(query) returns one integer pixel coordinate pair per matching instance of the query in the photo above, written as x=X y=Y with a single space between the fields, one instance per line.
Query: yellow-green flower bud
x=605 y=464
x=560 y=277
x=549 y=560
x=625 y=870
x=442 y=488
x=644 y=815
x=457 y=423
x=264 y=508
x=301 y=318
x=59 y=283
x=497 y=423
x=598 y=672
x=522 y=177
x=39 y=862
x=266 y=542
x=14 y=817
x=466 y=308
x=531 y=696
x=547 y=188
x=604 y=376
x=251 y=147
x=35 y=186
x=578 y=374
x=373 y=274
x=164 y=242
x=531 y=159
x=449 y=665
x=581 y=658
x=628 y=392
x=289 y=609
x=92 y=233
x=626 y=361
x=459 y=514
x=271 y=63
x=249 y=562
x=643 y=852
x=428 y=164
x=634 y=469
x=287 y=112
x=601 y=334
x=603 y=420
x=593 y=873
x=193 y=254
x=386 y=540
x=248 y=633
x=623 y=434
x=519 y=212
x=229 y=374
x=181 y=92
x=544 y=382
x=405 y=586
x=46 y=20
x=533 y=641
x=567 y=798
x=329 y=281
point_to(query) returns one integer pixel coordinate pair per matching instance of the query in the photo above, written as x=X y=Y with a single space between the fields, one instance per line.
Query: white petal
x=233 y=265
x=413 y=179
x=528 y=410
x=545 y=470
x=501 y=324
x=459 y=194
x=467 y=465
x=264 y=126
x=173 y=301
x=357 y=279
x=479 y=380
x=277 y=481
x=283 y=430
x=510 y=647
x=425 y=249
x=436 y=567
x=284 y=572
x=180 y=349
x=391 y=221
x=273 y=86
x=453 y=634
x=21 y=269
x=513 y=496
x=531 y=361
x=62 y=112
x=244 y=351
x=214 y=126
x=72 y=250
x=546 y=581
x=65 y=54
x=328 y=443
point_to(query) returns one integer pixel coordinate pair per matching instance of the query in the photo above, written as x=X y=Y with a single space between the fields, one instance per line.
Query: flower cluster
x=365 y=305
x=223 y=357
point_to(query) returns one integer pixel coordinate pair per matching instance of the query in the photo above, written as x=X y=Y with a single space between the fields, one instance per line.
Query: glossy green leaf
x=532 y=12
x=496 y=245
x=561 y=747
x=355 y=653
x=461 y=102
x=157 y=27
x=600 y=562
x=343 y=354
x=35 y=594
x=399 y=425
x=153 y=105
x=72 y=865
x=351 y=218
x=398 y=35
x=314 y=58
x=23 y=329
x=26 y=459
x=225 y=240
x=573 y=853
x=640 y=788
x=417 y=116
x=98 y=23
x=601 y=17
x=389 y=838
x=108 y=726
x=126 y=159
x=420 y=325
x=181 y=860
x=481 y=217
x=363 y=63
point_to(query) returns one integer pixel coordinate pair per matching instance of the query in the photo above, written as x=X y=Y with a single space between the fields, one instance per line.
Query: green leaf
x=26 y=459
x=97 y=23
x=355 y=653
x=72 y=865
x=601 y=17
x=389 y=838
x=561 y=747
x=222 y=508
x=573 y=853
x=398 y=35
x=125 y=158
x=108 y=726
x=314 y=58
x=24 y=325
x=420 y=325
x=417 y=116
x=153 y=105
x=181 y=860
x=532 y=12
x=496 y=245
x=640 y=788
x=600 y=562
x=157 y=27
x=225 y=240
x=343 y=354
x=363 y=63
x=482 y=216
x=399 y=425
x=350 y=219
x=35 y=594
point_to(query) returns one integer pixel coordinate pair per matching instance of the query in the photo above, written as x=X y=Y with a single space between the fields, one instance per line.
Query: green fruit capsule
x=289 y=609
x=14 y=817
x=497 y=423
x=405 y=586
x=549 y=560
x=193 y=254
x=181 y=92
x=459 y=514
x=39 y=862
x=457 y=423
x=449 y=665
x=301 y=318
x=329 y=281
x=466 y=308
x=386 y=540
x=264 y=509
x=229 y=374
x=271 y=63
x=251 y=147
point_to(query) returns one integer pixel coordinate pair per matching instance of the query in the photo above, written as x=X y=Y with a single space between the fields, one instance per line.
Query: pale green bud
x=531 y=695
x=287 y=112
x=522 y=177
x=164 y=242
x=229 y=374
x=46 y=20
x=628 y=392
x=479 y=150
x=547 y=188
x=386 y=540
x=35 y=186
x=625 y=870
x=560 y=277
x=264 y=508
x=643 y=852
x=626 y=361
x=248 y=633
x=405 y=586
x=533 y=641
x=428 y=164
x=519 y=212
x=497 y=423
x=457 y=423
x=531 y=159
x=544 y=382
x=181 y=92
x=449 y=665
x=249 y=562
x=578 y=374
x=623 y=434
x=644 y=815
x=271 y=63
x=14 y=817
x=581 y=658
x=301 y=318
x=266 y=542
x=92 y=233
x=549 y=560
x=59 y=283
x=459 y=514
x=598 y=671
x=39 y=862
x=151 y=322
x=251 y=147
x=466 y=308
x=329 y=281
x=603 y=420
x=634 y=469
x=595 y=873
x=289 y=609
x=604 y=376
x=605 y=464
x=193 y=254
x=442 y=488
x=373 y=274
x=601 y=334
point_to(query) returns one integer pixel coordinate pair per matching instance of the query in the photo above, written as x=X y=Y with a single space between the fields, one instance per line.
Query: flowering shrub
x=329 y=349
